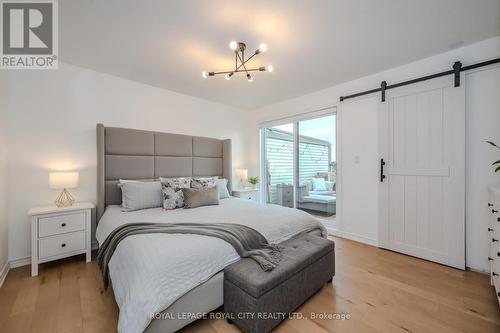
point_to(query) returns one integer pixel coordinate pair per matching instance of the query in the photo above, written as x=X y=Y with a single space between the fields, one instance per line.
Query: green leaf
x=497 y=169
x=493 y=144
x=496 y=162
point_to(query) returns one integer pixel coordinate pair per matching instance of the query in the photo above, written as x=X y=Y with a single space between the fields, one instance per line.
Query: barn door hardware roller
x=457 y=67
x=383 y=87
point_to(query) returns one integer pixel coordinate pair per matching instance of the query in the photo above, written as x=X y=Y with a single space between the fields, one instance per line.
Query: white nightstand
x=247 y=193
x=59 y=232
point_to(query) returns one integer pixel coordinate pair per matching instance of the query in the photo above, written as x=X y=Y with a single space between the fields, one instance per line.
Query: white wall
x=359 y=169
x=359 y=214
x=51 y=125
x=3 y=175
x=483 y=123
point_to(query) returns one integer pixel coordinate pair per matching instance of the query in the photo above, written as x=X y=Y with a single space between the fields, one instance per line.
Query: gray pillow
x=197 y=197
x=222 y=187
x=140 y=195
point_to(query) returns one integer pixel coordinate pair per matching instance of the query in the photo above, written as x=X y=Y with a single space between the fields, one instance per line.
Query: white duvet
x=149 y=272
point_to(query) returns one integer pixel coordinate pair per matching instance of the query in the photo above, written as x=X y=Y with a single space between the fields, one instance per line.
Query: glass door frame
x=328 y=111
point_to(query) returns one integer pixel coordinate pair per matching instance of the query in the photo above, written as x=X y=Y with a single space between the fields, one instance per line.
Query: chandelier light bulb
x=262 y=47
x=249 y=78
x=228 y=76
x=204 y=74
x=270 y=68
x=233 y=45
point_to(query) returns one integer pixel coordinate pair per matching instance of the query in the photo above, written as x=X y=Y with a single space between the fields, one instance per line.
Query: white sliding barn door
x=422 y=198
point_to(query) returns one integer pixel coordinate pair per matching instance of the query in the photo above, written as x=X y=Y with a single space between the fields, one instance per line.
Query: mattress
x=151 y=272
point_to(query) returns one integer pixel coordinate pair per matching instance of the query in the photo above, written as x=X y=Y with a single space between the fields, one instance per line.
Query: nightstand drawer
x=250 y=196
x=247 y=194
x=60 y=224
x=57 y=245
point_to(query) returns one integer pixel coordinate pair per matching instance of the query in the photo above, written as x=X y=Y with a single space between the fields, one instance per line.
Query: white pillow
x=319 y=184
x=222 y=188
x=140 y=195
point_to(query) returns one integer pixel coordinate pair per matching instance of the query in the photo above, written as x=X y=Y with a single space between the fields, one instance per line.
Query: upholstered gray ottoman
x=256 y=300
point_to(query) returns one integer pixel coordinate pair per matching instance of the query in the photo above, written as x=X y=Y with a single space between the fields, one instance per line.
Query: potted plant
x=253 y=180
x=497 y=163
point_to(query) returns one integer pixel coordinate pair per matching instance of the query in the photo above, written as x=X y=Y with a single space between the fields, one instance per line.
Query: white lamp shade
x=241 y=173
x=59 y=180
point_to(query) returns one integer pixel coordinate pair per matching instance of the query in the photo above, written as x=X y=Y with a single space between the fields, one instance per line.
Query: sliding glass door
x=316 y=167
x=298 y=160
x=279 y=165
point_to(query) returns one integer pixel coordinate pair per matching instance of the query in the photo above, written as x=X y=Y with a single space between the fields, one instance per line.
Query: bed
x=162 y=282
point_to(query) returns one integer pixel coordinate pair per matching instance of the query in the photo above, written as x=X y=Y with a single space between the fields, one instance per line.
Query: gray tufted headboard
x=124 y=153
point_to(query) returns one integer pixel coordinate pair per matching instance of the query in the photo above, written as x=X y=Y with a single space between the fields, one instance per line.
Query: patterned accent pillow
x=172 y=191
x=205 y=182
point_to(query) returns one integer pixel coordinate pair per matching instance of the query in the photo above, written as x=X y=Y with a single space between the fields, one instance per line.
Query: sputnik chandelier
x=240 y=65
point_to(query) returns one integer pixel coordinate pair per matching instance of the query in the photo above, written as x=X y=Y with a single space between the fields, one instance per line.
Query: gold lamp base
x=64 y=199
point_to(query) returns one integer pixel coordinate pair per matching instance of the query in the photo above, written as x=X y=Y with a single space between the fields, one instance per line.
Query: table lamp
x=64 y=181
x=241 y=174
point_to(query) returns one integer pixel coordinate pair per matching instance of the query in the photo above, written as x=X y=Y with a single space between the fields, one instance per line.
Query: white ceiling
x=312 y=44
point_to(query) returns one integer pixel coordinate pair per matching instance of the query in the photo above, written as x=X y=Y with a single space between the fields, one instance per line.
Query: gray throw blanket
x=249 y=243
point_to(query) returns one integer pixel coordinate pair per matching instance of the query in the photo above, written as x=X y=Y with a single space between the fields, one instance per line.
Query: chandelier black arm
x=243 y=63
x=253 y=55
x=260 y=69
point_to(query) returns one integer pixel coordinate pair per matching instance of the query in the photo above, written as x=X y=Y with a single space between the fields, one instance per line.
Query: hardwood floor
x=381 y=291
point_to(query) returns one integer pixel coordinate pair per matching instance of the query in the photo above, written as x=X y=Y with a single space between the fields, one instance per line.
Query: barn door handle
x=382 y=176
x=489 y=229
x=494 y=240
x=490 y=204
x=494 y=211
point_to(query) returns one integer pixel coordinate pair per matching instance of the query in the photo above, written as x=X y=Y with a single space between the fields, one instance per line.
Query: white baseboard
x=3 y=272
x=334 y=232
x=482 y=271
x=20 y=262
x=358 y=238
